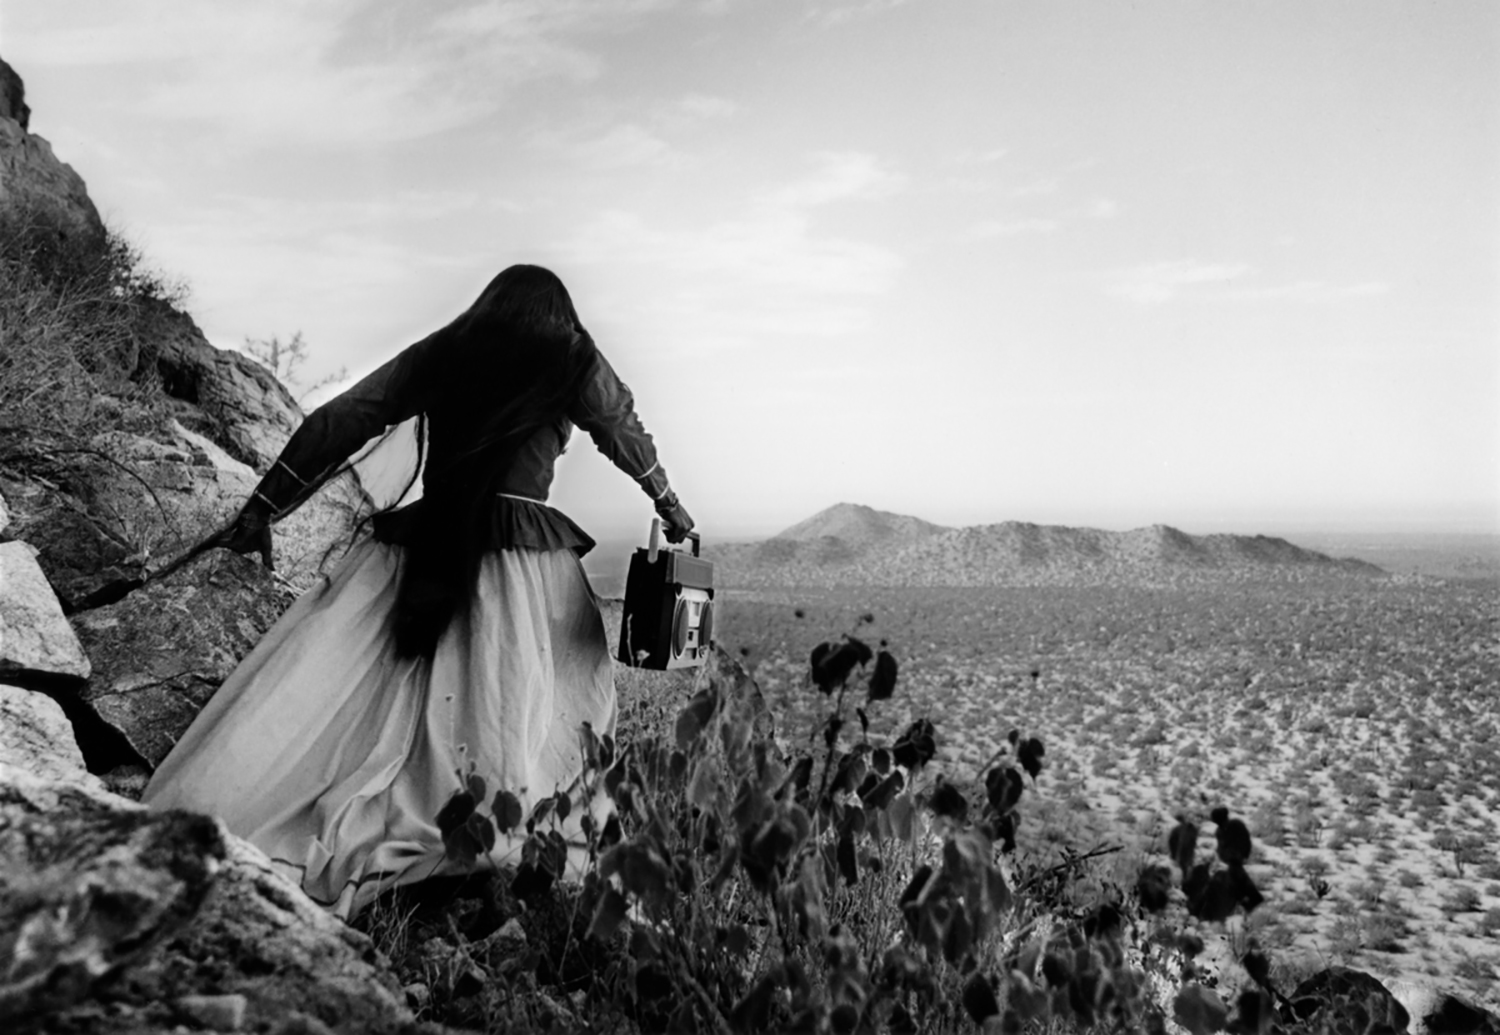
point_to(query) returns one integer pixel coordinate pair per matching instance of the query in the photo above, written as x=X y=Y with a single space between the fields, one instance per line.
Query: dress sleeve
x=606 y=410
x=333 y=432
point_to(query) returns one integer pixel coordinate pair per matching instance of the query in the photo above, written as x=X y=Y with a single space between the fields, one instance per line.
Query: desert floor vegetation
x=1352 y=722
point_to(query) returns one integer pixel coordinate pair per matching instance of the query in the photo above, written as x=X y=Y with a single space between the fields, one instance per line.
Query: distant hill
x=849 y=544
x=861 y=526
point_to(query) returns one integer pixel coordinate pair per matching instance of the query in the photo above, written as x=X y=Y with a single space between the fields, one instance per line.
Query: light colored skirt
x=333 y=755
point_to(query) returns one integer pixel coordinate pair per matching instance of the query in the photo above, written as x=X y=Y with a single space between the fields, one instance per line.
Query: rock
x=117 y=919
x=87 y=888
x=13 y=96
x=31 y=176
x=130 y=502
x=228 y=397
x=258 y=936
x=4 y=516
x=1435 y=1012
x=164 y=649
x=1450 y=1015
x=1349 y=995
x=35 y=638
x=36 y=736
x=220 y=1012
x=511 y=932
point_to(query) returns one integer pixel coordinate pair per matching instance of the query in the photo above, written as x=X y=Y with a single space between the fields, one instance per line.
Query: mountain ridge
x=852 y=544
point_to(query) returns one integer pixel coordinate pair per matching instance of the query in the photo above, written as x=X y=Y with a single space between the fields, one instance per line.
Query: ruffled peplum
x=515 y=523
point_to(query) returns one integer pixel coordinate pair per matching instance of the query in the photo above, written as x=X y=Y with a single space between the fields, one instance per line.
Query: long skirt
x=334 y=756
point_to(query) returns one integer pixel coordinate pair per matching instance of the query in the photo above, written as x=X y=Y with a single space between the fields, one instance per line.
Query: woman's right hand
x=251 y=533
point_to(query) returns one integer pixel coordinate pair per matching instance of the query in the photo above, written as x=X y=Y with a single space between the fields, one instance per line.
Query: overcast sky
x=1229 y=267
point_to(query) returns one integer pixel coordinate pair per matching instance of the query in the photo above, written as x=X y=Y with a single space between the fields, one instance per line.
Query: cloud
x=1309 y=291
x=699 y=106
x=988 y=228
x=623 y=134
x=624 y=145
x=1101 y=208
x=1035 y=188
x=838 y=14
x=764 y=271
x=1160 y=282
x=337 y=72
x=1157 y=282
x=841 y=176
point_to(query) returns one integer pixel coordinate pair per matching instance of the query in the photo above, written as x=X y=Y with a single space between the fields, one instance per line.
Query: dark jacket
x=520 y=517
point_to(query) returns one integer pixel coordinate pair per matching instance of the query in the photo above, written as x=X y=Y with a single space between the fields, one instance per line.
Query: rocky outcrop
x=35 y=638
x=126 y=502
x=163 y=651
x=168 y=441
x=30 y=174
x=13 y=96
x=226 y=396
x=115 y=919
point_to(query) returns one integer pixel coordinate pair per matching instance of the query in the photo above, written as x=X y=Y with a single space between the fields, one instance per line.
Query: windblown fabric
x=334 y=755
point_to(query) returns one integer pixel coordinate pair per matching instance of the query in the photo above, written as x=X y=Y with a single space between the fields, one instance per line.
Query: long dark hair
x=507 y=367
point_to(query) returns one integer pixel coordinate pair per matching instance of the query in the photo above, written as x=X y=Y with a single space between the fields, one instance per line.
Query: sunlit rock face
x=35 y=735
x=35 y=639
x=30 y=174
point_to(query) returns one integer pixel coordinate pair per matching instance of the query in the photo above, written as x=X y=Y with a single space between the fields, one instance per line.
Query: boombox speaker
x=669 y=606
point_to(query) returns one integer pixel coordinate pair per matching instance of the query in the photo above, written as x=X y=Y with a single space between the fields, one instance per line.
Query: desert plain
x=1353 y=722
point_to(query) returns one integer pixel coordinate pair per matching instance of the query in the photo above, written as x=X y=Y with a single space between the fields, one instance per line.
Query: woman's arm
x=606 y=410
x=329 y=436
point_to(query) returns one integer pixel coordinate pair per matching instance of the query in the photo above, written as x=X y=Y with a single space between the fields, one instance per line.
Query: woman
x=462 y=631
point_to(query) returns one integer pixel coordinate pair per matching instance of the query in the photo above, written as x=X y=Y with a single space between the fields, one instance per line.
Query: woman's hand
x=676 y=521
x=251 y=532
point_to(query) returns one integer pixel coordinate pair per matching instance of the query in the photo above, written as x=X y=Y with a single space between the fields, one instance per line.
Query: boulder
x=36 y=736
x=226 y=396
x=162 y=651
x=1436 y=1012
x=116 y=919
x=258 y=936
x=128 y=502
x=1447 y=1014
x=1342 y=994
x=88 y=888
x=35 y=638
x=4 y=516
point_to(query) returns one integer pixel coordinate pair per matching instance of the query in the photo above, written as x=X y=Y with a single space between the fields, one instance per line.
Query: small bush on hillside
x=81 y=316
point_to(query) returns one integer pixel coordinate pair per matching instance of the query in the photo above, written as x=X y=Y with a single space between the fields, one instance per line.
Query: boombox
x=669 y=606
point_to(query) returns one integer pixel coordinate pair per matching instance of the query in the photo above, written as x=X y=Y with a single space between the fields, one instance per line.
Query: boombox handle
x=654 y=543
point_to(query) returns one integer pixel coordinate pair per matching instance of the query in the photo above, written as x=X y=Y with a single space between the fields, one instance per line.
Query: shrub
x=81 y=317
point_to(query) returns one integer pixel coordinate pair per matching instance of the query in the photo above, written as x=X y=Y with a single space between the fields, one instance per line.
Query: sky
x=1227 y=267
